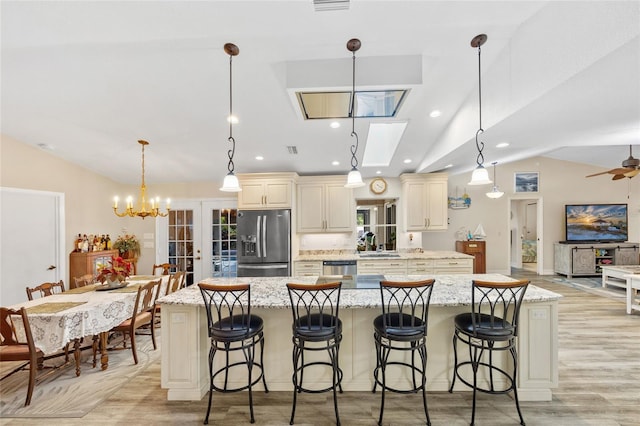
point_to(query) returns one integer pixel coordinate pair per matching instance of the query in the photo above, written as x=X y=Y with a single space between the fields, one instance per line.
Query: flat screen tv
x=598 y=223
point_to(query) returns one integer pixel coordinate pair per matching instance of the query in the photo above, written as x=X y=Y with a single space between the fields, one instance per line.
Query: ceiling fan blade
x=632 y=173
x=617 y=177
x=598 y=174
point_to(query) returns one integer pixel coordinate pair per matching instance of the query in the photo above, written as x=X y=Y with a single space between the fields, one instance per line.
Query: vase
x=113 y=283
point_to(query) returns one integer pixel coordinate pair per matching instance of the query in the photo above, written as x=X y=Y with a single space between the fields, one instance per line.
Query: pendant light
x=231 y=183
x=495 y=192
x=354 y=179
x=480 y=175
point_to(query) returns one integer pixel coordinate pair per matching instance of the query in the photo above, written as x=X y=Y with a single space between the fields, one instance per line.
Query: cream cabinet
x=303 y=268
x=424 y=201
x=324 y=205
x=419 y=266
x=266 y=190
x=382 y=266
x=453 y=266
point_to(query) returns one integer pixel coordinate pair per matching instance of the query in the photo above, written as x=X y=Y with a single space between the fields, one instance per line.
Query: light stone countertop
x=271 y=293
x=427 y=254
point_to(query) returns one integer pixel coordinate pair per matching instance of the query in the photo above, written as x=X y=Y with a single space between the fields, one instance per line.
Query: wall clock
x=378 y=186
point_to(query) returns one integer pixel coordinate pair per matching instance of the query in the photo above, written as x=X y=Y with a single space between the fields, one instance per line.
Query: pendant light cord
x=479 y=143
x=231 y=151
x=354 y=147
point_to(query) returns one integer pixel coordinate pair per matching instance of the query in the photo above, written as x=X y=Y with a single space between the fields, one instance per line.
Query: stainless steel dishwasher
x=339 y=267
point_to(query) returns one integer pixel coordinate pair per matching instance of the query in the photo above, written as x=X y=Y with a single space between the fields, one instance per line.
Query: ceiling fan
x=630 y=168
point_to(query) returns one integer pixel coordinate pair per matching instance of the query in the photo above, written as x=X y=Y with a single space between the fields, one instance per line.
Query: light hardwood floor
x=599 y=364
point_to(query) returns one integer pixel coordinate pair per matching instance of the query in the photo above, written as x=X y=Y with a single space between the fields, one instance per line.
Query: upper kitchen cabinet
x=324 y=205
x=266 y=190
x=424 y=201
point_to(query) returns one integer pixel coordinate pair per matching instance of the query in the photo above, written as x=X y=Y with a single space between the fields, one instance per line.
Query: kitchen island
x=185 y=344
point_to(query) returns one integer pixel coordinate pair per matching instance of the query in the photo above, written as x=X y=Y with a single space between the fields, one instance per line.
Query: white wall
x=561 y=183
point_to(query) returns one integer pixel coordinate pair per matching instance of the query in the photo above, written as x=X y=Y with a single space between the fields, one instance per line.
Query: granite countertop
x=271 y=293
x=427 y=254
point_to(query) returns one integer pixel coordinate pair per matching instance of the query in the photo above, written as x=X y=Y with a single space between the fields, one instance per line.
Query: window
x=376 y=224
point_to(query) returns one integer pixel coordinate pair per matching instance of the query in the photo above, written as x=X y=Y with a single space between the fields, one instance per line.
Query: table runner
x=52 y=307
x=78 y=290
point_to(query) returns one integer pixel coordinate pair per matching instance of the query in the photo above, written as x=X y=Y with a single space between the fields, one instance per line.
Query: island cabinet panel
x=303 y=268
x=477 y=250
x=383 y=267
x=266 y=190
x=424 y=201
x=87 y=263
x=324 y=205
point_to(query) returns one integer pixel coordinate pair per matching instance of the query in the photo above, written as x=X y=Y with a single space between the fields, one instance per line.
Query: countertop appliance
x=339 y=267
x=265 y=243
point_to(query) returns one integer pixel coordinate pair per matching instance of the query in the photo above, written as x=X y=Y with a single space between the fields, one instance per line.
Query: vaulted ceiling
x=88 y=79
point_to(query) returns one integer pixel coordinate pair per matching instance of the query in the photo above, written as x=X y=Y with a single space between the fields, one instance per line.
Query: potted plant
x=128 y=246
x=115 y=273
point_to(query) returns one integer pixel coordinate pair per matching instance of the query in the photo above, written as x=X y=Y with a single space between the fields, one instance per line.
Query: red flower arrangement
x=118 y=270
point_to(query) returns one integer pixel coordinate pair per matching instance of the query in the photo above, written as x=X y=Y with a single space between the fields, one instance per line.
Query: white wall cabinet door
x=325 y=207
x=425 y=201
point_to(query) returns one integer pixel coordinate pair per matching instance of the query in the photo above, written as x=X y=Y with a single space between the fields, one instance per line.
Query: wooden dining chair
x=143 y=314
x=164 y=267
x=13 y=350
x=46 y=289
x=176 y=282
x=83 y=280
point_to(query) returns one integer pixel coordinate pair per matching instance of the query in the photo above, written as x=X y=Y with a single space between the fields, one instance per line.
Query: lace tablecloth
x=94 y=312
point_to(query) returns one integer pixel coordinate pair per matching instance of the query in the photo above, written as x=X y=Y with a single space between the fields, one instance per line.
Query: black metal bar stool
x=232 y=327
x=316 y=327
x=402 y=327
x=491 y=326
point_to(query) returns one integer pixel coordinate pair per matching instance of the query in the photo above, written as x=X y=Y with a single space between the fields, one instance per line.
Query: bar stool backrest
x=315 y=306
x=496 y=307
x=228 y=309
x=405 y=305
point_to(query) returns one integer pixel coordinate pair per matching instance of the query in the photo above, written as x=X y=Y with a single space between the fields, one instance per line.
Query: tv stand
x=588 y=259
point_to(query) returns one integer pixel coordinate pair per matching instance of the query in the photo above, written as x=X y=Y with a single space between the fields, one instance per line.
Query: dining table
x=84 y=312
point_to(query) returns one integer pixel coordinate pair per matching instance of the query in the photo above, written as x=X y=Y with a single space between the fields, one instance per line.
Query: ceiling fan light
x=495 y=193
x=231 y=183
x=354 y=179
x=480 y=176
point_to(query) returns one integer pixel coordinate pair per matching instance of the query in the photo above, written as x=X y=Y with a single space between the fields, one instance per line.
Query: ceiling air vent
x=292 y=149
x=322 y=5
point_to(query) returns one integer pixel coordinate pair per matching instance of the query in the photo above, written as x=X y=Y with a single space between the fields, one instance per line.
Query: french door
x=200 y=237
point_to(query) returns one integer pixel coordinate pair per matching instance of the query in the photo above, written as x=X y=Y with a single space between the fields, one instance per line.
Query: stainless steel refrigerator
x=265 y=243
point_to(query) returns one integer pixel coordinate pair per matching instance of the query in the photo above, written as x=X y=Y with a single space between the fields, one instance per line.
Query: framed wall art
x=526 y=181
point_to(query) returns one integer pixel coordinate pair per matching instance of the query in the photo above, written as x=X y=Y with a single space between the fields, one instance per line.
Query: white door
x=187 y=237
x=32 y=241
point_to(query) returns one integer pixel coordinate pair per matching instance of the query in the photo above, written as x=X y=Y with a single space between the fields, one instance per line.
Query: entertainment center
x=596 y=236
x=588 y=259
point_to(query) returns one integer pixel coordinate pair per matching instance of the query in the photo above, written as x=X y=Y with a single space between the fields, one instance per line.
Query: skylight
x=382 y=141
x=370 y=103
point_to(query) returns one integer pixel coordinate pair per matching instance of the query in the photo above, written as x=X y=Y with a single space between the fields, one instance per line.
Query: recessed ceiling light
x=334 y=124
x=45 y=146
x=448 y=166
x=233 y=119
x=335 y=163
x=407 y=161
x=502 y=145
x=378 y=172
x=259 y=157
x=435 y=113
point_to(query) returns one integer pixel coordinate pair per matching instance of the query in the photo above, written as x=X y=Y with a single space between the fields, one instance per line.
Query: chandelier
x=495 y=192
x=142 y=212
x=231 y=183
x=480 y=175
x=354 y=178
